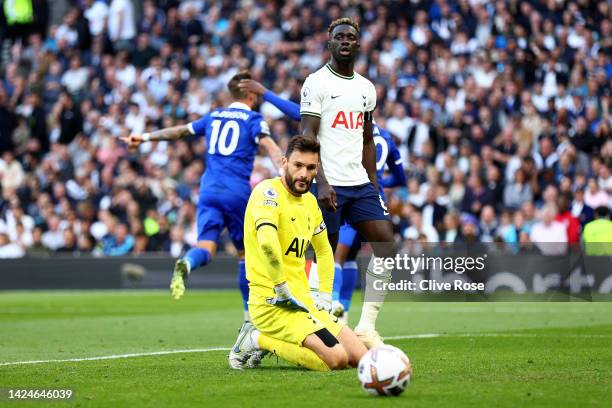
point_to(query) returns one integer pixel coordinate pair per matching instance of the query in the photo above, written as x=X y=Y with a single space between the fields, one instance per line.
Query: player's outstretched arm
x=369 y=150
x=270 y=246
x=289 y=108
x=326 y=194
x=171 y=133
x=325 y=268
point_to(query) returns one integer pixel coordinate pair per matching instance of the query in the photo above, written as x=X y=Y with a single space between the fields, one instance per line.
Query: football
x=384 y=370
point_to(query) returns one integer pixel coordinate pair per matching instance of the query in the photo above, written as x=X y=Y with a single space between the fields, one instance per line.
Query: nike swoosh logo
x=292 y=219
x=337 y=96
x=363 y=96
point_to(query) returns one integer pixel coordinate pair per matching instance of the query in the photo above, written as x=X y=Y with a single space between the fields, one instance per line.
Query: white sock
x=371 y=308
x=313 y=276
x=247 y=316
x=255 y=338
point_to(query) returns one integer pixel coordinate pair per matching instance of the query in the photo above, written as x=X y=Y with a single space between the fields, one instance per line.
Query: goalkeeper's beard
x=291 y=183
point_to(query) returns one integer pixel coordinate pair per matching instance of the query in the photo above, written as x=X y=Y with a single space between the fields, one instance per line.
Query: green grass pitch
x=463 y=354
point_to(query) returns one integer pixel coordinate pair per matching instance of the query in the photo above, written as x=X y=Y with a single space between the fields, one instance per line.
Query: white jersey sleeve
x=371 y=98
x=311 y=98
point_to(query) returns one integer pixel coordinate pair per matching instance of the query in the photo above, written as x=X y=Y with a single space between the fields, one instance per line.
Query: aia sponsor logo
x=350 y=120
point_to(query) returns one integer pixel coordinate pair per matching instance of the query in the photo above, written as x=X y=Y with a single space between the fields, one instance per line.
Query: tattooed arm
x=171 y=133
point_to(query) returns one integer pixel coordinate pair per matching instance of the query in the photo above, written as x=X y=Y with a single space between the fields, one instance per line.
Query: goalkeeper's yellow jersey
x=296 y=220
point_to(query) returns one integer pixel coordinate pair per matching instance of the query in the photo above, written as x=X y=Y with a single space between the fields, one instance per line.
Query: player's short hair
x=303 y=144
x=232 y=85
x=343 y=21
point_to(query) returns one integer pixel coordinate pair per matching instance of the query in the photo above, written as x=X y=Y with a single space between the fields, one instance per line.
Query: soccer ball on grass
x=384 y=370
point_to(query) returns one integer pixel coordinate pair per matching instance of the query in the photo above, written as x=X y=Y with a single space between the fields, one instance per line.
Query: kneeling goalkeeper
x=282 y=219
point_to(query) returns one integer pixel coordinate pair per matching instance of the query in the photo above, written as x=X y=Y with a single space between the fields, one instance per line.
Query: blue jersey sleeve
x=289 y=108
x=394 y=163
x=198 y=127
x=258 y=127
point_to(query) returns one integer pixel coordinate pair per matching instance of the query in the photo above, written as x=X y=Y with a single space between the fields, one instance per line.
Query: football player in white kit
x=336 y=108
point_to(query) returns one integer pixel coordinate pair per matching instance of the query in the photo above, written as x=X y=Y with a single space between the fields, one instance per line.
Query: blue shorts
x=217 y=211
x=355 y=204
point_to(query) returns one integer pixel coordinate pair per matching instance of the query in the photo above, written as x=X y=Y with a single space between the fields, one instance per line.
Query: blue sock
x=197 y=257
x=337 y=282
x=349 y=280
x=243 y=284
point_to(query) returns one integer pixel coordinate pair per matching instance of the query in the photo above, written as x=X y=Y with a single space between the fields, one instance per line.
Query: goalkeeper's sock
x=197 y=257
x=243 y=284
x=313 y=276
x=373 y=299
x=349 y=279
x=337 y=281
x=301 y=356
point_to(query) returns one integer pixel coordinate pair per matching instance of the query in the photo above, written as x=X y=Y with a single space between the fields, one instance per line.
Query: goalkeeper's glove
x=323 y=301
x=285 y=299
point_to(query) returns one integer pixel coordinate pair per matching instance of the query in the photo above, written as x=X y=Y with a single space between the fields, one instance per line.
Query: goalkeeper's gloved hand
x=285 y=299
x=177 y=285
x=323 y=301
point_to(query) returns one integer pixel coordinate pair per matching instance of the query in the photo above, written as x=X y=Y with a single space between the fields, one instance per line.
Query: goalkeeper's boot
x=370 y=339
x=177 y=284
x=244 y=347
x=255 y=360
x=337 y=309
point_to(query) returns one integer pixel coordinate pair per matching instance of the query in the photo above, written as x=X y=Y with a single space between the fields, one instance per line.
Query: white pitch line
x=116 y=356
x=413 y=336
x=558 y=335
x=400 y=337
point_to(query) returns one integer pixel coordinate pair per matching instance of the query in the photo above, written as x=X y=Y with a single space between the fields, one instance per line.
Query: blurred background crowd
x=501 y=110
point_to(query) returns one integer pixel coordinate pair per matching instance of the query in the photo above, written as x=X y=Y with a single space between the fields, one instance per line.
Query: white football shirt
x=340 y=102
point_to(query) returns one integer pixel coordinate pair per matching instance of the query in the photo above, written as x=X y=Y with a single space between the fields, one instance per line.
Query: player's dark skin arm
x=309 y=126
x=368 y=159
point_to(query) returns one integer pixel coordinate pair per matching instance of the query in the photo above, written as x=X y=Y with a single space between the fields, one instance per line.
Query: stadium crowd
x=500 y=109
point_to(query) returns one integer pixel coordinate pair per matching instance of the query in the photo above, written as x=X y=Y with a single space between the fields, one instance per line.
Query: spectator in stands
x=476 y=196
x=594 y=196
x=121 y=24
x=488 y=224
x=564 y=216
x=580 y=210
x=550 y=236
x=9 y=249
x=119 y=243
x=53 y=238
x=70 y=242
x=517 y=192
x=37 y=248
x=597 y=235
x=418 y=228
x=11 y=172
x=433 y=213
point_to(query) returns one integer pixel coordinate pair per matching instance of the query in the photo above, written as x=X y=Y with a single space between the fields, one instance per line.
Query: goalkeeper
x=281 y=220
